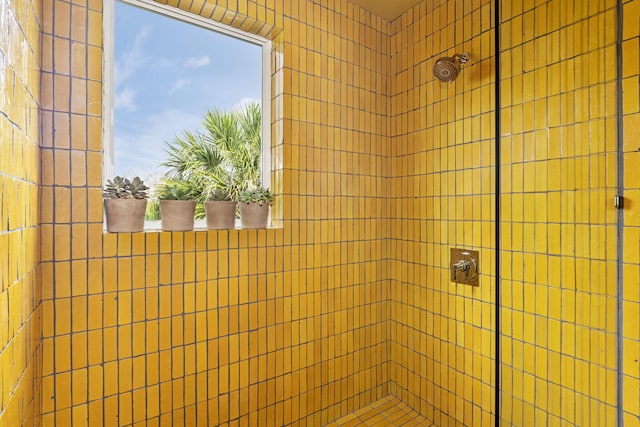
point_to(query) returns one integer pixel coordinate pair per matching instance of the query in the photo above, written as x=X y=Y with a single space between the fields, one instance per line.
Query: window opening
x=166 y=72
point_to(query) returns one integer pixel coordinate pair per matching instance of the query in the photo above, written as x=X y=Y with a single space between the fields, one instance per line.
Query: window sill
x=199 y=225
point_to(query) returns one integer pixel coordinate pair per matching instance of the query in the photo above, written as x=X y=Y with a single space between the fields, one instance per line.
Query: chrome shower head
x=446 y=69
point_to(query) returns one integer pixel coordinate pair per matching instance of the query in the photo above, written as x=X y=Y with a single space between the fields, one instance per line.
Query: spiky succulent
x=220 y=195
x=175 y=189
x=257 y=194
x=123 y=188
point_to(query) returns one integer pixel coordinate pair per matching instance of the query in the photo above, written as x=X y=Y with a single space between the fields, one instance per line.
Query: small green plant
x=258 y=195
x=153 y=211
x=220 y=195
x=123 y=188
x=171 y=189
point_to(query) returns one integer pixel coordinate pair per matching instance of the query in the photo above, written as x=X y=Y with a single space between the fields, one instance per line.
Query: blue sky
x=167 y=74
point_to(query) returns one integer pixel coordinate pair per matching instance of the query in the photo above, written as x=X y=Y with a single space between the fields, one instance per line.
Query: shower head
x=446 y=69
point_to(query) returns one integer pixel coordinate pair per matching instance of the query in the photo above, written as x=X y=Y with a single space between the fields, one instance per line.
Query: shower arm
x=462 y=57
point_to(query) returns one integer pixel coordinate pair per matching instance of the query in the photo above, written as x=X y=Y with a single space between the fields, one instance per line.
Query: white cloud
x=139 y=147
x=125 y=100
x=179 y=85
x=194 y=62
x=133 y=59
x=244 y=102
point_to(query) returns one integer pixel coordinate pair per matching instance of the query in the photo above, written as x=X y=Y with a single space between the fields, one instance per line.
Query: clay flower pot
x=221 y=214
x=125 y=215
x=254 y=215
x=177 y=215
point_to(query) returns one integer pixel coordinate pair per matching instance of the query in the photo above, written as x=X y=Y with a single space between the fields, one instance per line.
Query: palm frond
x=224 y=155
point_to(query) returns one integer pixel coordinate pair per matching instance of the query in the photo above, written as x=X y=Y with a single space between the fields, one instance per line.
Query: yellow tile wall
x=274 y=327
x=350 y=299
x=631 y=234
x=558 y=223
x=443 y=174
x=20 y=309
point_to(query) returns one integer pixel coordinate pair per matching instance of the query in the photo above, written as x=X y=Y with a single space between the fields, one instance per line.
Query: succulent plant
x=257 y=194
x=220 y=195
x=173 y=189
x=123 y=188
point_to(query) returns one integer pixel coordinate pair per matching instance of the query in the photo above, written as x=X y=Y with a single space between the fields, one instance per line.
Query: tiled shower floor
x=386 y=412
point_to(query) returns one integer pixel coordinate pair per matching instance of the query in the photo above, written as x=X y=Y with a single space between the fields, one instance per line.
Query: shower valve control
x=464 y=266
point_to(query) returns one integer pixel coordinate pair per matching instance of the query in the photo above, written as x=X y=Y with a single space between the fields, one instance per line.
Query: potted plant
x=254 y=206
x=125 y=202
x=220 y=210
x=177 y=207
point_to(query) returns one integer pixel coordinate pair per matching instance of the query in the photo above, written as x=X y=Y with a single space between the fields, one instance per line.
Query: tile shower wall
x=558 y=235
x=272 y=327
x=558 y=223
x=443 y=179
x=292 y=325
x=20 y=309
x=631 y=234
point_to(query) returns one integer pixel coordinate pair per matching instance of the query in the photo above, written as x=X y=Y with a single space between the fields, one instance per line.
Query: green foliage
x=200 y=212
x=153 y=211
x=123 y=188
x=224 y=158
x=220 y=195
x=257 y=194
x=173 y=189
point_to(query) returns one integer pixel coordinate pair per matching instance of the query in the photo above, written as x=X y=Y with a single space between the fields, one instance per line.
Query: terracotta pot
x=254 y=215
x=221 y=215
x=177 y=215
x=125 y=215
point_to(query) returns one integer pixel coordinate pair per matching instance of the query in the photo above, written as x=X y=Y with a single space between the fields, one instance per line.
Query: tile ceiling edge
x=387 y=9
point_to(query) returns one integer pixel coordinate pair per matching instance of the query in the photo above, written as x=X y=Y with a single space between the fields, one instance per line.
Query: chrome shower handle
x=461 y=265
